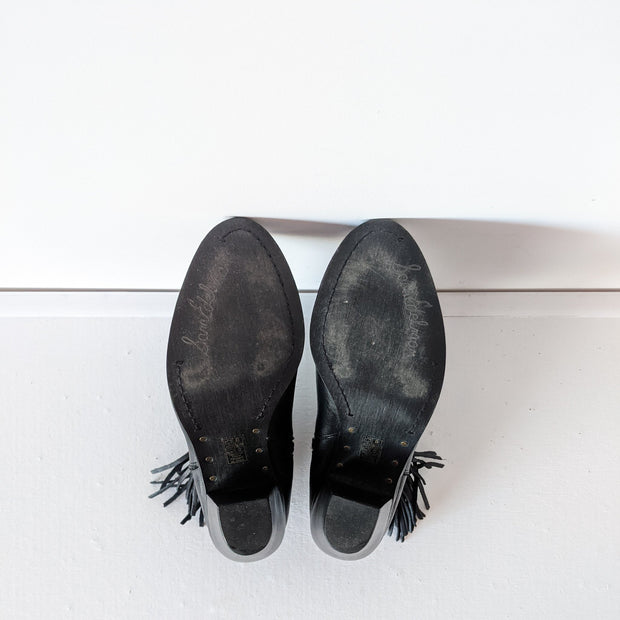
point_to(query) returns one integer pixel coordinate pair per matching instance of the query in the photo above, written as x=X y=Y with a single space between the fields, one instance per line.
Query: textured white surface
x=524 y=517
x=127 y=130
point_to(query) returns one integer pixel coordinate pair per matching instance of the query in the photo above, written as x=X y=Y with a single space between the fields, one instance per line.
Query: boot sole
x=235 y=343
x=378 y=343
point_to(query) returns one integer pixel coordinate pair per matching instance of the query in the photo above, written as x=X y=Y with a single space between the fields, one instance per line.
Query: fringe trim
x=408 y=512
x=180 y=480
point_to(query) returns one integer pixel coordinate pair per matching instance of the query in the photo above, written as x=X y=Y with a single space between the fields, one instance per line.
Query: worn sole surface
x=236 y=340
x=377 y=339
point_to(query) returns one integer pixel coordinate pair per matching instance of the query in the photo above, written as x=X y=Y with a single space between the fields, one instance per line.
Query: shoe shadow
x=304 y=228
x=488 y=255
x=472 y=255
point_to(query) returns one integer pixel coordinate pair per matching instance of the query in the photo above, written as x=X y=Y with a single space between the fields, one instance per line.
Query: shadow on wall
x=472 y=255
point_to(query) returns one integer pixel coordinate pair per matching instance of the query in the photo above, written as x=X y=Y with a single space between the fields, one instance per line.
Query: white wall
x=128 y=130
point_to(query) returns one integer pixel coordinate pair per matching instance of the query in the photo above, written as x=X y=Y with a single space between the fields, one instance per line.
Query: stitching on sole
x=186 y=401
x=329 y=303
x=261 y=413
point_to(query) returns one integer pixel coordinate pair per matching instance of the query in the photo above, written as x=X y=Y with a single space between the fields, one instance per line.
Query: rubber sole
x=378 y=342
x=235 y=343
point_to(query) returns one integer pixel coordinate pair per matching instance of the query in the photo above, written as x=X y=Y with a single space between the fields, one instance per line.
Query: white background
x=524 y=516
x=128 y=129
x=490 y=129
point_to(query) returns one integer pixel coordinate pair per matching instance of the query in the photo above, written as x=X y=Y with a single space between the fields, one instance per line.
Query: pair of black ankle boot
x=235 y=343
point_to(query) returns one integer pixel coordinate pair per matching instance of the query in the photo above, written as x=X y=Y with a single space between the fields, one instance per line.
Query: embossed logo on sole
x=235 y=450
x=203 y=306
x=371 y=449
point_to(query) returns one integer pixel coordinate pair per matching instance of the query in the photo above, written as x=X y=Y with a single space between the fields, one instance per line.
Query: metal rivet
x=213 y=478
x=256 y=431
x=259 y=450
x=209 y=459
x=388 y=480
x=404 y=444
x=347 y=448
x=203 y=439
x=265 y=468
x=339 y=465
x=395 y=462
x=351 y=429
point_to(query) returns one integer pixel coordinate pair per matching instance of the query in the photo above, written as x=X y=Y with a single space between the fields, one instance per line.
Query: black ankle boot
x=235 y=343
x=378 y=342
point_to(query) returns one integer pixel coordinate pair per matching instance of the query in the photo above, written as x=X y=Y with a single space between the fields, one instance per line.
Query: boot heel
x=247 y=529
x=349 y=527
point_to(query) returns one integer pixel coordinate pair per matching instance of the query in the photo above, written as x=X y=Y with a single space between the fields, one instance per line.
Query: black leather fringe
x=180 y=480
x=408 y=512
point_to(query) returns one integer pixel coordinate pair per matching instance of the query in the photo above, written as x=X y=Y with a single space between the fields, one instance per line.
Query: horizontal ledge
x=439 y=290
x=154 y=304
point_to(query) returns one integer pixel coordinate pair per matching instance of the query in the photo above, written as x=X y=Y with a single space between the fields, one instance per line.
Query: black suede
x=235 y=343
